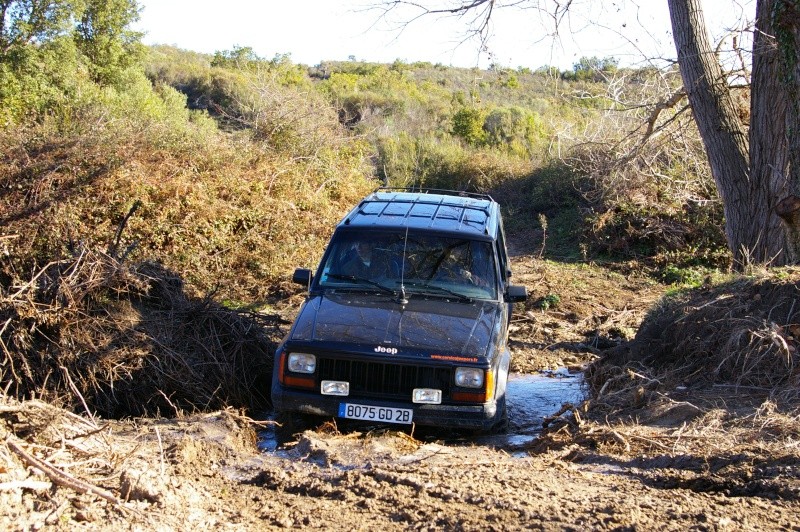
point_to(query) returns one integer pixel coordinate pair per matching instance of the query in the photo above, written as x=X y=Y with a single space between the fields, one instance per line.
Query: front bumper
x=475 y=417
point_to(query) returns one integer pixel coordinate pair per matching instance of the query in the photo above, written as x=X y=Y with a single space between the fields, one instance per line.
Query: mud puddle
x=531 y=398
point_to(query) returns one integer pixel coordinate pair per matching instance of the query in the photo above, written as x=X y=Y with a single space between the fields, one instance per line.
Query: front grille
x=383 y=380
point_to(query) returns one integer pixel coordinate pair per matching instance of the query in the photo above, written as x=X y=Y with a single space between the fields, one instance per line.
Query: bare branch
x=477 y=14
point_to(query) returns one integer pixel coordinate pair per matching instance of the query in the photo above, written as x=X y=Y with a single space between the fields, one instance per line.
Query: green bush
x=592 y=69
x=549 y=301
x=516 y=129
x=35 y=81
x=685 y=277
x=103 y=36
x=468 y=125
x=444 y=162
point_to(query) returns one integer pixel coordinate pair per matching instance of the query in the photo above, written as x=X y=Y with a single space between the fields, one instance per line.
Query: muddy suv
x=406 y=319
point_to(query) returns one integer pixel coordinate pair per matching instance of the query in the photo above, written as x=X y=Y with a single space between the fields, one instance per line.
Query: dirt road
x=693 y=461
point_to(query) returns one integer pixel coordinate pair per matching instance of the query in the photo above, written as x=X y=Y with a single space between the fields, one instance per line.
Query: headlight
x=301 y=363
x=469 y=377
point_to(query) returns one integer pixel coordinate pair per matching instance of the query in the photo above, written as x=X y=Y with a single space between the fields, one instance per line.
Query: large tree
x=786 y=20
x=750 y=171
x=758 y=186
x=99 y=28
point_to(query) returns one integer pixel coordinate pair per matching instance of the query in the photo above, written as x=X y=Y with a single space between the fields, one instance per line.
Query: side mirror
x=302 y=276
x=516 y=293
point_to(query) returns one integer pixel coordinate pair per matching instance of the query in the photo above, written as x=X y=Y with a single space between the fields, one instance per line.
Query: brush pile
x=706 y=397
x=742 y=336
x=94 y=334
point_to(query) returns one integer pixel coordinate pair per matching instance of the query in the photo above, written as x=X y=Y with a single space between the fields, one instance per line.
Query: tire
x=501 y=427
x=292 y=423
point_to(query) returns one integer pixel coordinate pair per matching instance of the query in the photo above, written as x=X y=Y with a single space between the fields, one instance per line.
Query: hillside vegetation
x=225 y=155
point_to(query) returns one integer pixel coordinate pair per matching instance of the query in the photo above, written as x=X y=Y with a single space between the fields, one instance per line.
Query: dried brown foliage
x=738 y=338
x=217 y=208
x=644 y=174
x=705 y=397
x=743 y=332
x=96 y=334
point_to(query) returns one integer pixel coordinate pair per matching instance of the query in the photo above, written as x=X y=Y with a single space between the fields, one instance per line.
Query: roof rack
x=446 y=192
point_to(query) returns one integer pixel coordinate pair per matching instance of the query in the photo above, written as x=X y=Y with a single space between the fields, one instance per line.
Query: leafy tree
x=48 y=46
x=242 y=57
x=468 y=124
x=24 y=22
x=592 y=69
x=38 y=60
x=548 y=70
x=104 y=38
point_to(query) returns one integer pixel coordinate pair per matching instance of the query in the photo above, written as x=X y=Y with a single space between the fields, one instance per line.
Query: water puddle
x=268 y=437
x=530 y=397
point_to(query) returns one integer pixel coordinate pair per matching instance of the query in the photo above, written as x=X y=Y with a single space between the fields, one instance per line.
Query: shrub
x=468 y=125
x=35 y=81
x=549 y=301
x=515 y=129
x=219 y=210
x=444 y=162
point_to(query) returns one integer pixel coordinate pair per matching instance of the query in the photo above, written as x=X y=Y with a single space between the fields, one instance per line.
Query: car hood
x=421 y=327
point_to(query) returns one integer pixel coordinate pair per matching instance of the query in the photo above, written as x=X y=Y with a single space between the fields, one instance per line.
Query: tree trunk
x=784 y=16
x=769 y=156
x=752 y=228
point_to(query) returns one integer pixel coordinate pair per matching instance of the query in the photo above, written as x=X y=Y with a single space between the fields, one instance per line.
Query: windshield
x=424 y=264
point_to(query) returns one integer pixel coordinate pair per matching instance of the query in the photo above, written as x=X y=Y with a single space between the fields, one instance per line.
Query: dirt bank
x=710 y=458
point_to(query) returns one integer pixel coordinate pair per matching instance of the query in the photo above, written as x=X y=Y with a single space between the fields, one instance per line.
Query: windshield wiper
x=361 y=280
x=434 y=290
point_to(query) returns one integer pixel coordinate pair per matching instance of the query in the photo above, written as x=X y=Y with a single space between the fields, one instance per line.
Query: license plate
x=376 y=413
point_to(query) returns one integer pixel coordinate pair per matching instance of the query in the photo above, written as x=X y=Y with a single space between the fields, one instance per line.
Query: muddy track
x=709 y=466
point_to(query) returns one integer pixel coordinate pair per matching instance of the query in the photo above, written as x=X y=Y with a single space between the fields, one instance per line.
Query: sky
x=312 y=31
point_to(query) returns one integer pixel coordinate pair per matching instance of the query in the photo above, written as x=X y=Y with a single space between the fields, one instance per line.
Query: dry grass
x=743 y=333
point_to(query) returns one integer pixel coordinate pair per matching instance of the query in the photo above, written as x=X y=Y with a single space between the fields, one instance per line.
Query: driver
x=459 y=266
x=357 y=261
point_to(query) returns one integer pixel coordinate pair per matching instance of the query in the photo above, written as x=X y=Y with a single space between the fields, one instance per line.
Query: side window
x=502 y=255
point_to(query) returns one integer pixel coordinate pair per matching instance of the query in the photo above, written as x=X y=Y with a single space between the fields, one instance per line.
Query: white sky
x=312 y=31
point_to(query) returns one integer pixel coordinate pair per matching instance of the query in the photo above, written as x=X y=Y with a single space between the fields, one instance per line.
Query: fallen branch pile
x=743 y=335
x=98 y=335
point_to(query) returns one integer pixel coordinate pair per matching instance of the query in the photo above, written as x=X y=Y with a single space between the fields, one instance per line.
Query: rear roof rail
x=443 y=191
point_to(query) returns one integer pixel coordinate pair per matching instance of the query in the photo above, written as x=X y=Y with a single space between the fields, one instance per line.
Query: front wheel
x=501 y=425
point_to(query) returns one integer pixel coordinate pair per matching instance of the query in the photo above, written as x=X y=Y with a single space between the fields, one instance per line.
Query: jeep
x=406 y=317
